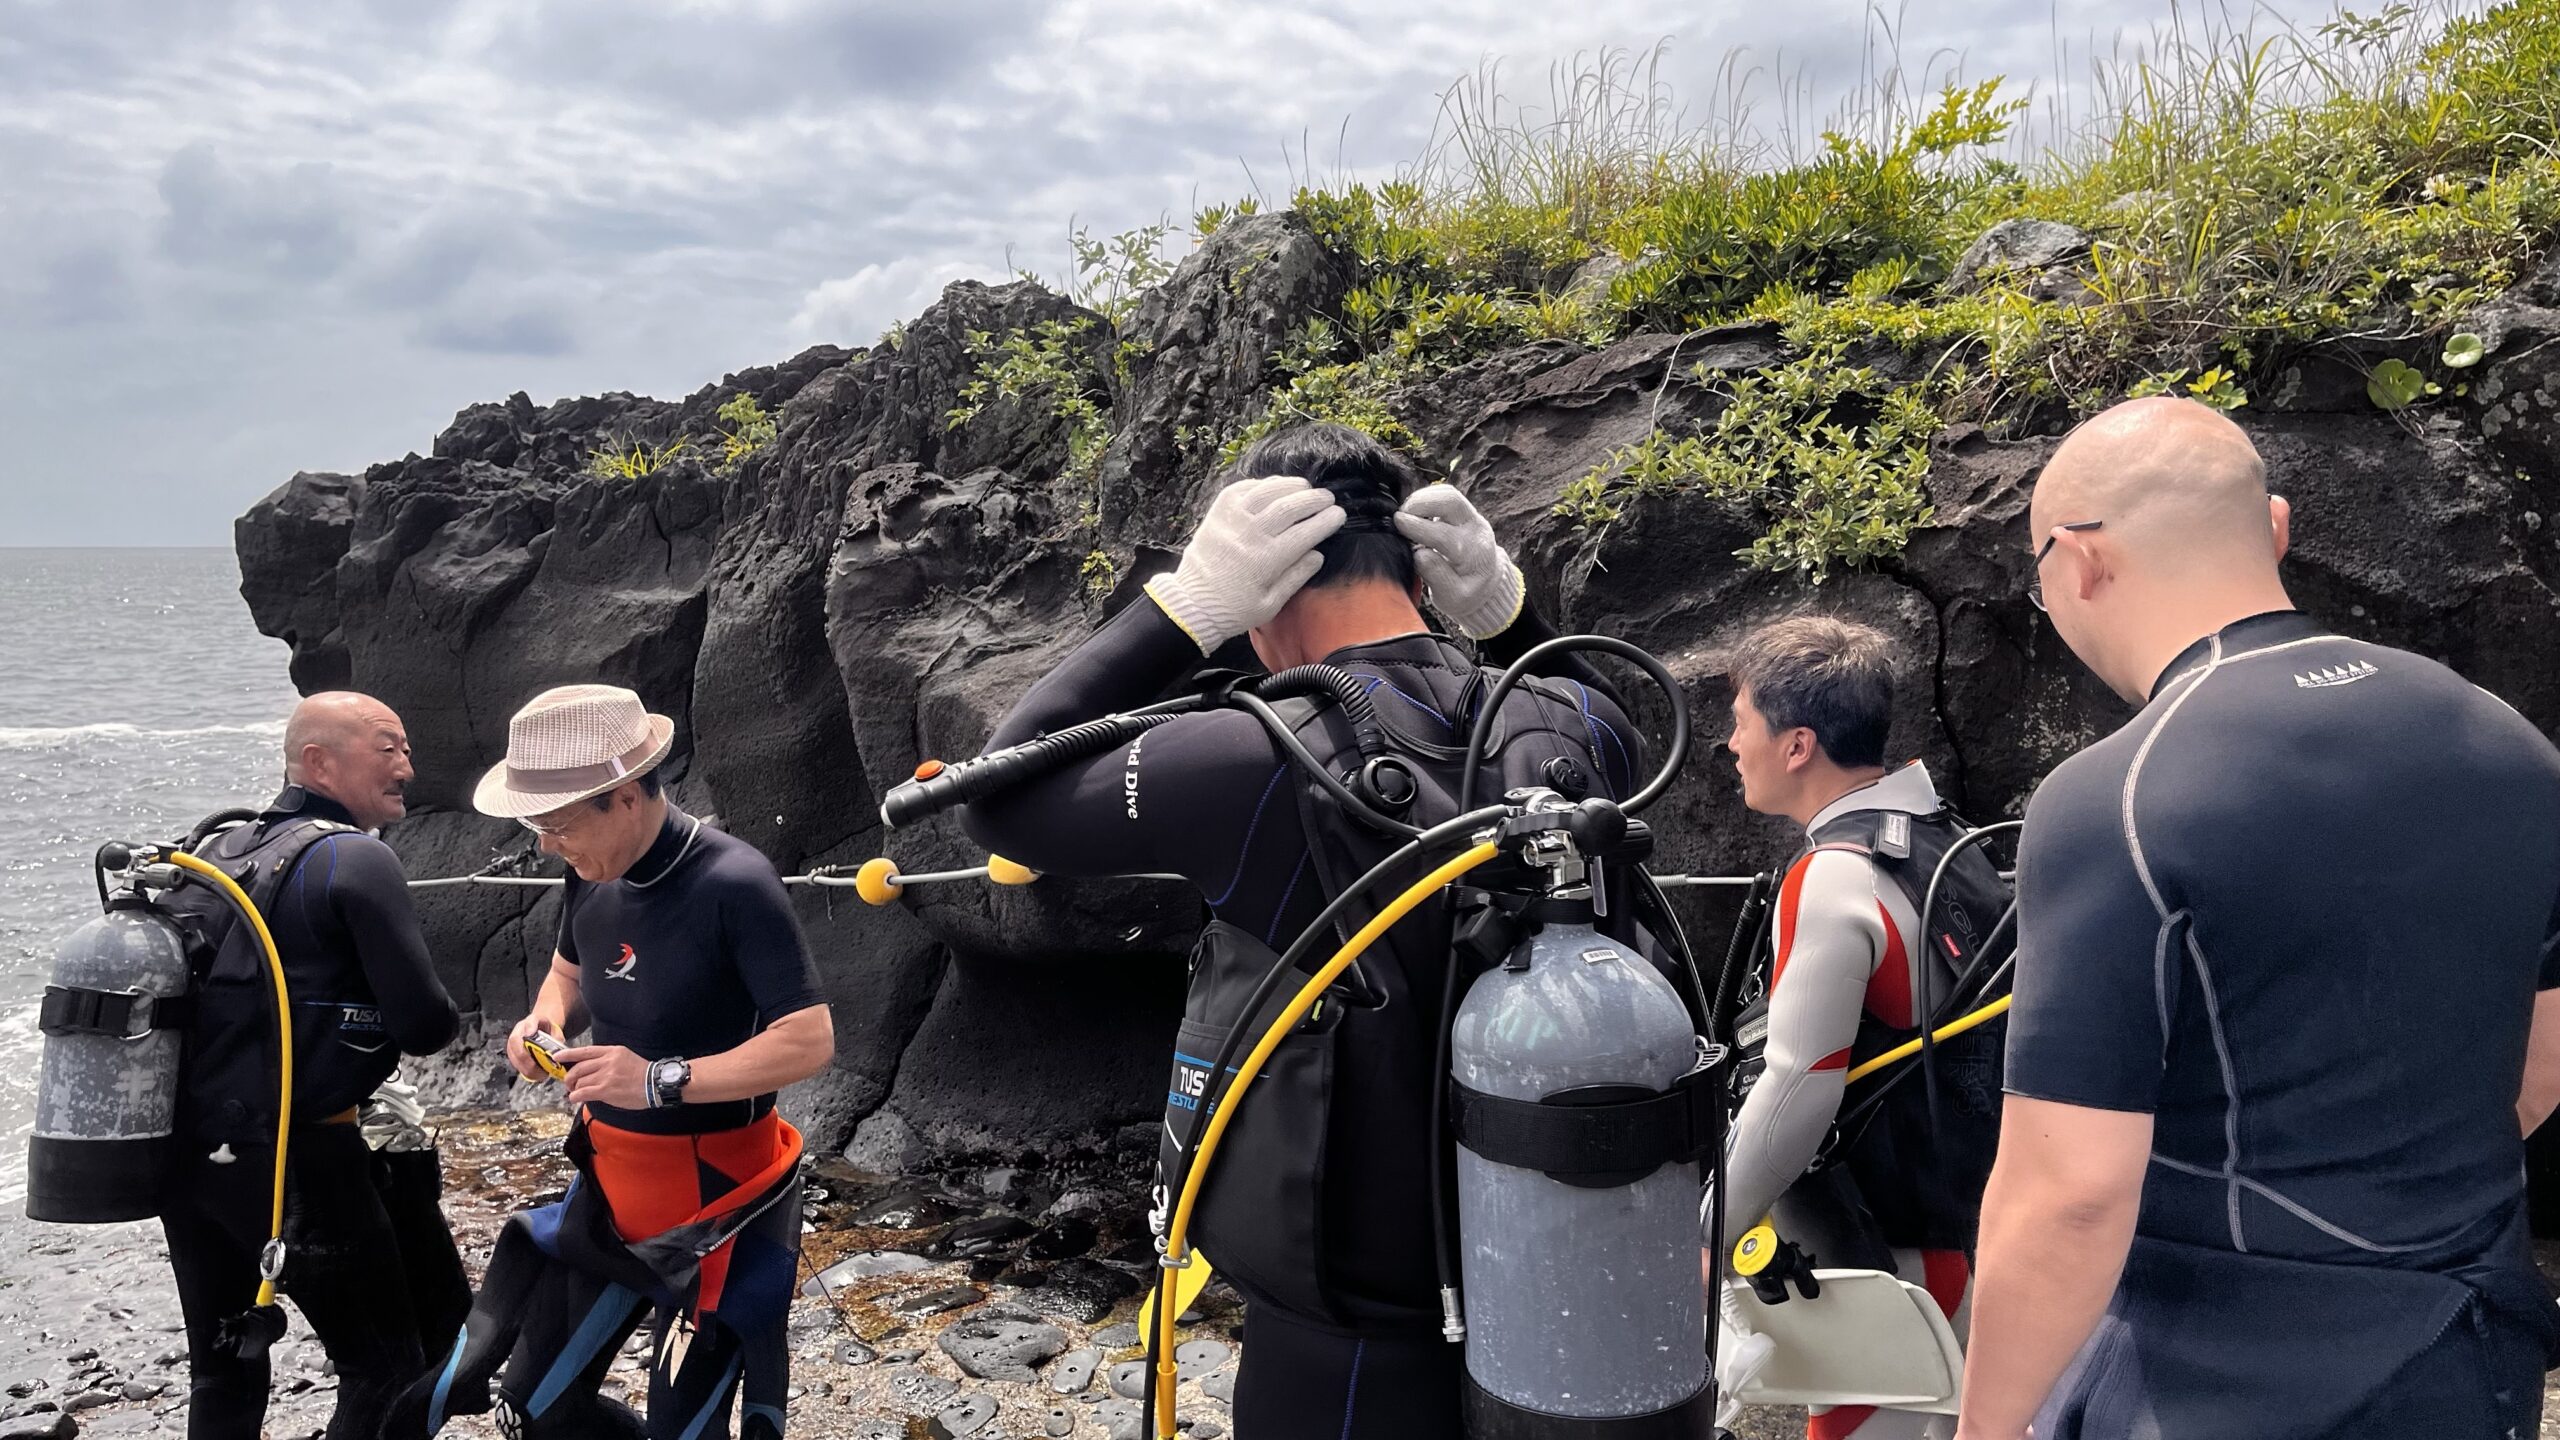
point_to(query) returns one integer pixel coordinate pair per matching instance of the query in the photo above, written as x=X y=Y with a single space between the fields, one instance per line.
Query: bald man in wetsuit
x=2285 y=1000
x=366 y=994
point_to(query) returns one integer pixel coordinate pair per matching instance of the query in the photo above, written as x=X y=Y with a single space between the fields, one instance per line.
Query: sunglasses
x=2035 y=585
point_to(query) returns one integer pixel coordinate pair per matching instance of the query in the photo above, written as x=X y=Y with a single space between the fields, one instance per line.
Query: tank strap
x=125 y=1014
x=1598 y=1136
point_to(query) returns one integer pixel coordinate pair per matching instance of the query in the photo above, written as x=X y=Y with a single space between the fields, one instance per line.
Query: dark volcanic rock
x=880 y=584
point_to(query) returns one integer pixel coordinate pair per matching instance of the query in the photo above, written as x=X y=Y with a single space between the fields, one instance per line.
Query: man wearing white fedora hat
x=679 y=949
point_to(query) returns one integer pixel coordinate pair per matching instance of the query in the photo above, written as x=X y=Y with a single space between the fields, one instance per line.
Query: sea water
x=135 y=698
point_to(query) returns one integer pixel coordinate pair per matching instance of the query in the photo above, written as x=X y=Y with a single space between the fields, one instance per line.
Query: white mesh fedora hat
x=570 y=743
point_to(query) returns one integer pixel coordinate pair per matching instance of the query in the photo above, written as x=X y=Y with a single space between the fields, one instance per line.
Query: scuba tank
x=1583 y=1105
x=107 y=1095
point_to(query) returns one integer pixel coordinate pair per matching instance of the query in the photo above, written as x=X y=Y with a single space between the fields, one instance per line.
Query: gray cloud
x=248 y=237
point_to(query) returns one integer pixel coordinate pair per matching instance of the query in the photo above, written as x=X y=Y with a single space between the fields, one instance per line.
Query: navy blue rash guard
x=694 y=951
x=2298 y=911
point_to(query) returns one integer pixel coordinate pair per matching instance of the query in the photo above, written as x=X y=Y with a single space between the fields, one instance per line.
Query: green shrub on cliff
x=1049 y=366
x=1832 y=452
x=630 y=459
x=2249 y=194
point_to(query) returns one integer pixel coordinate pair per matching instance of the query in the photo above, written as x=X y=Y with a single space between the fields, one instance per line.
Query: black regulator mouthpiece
x=250 y=1334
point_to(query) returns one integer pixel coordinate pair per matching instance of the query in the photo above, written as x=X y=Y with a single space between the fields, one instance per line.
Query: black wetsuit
x=1212 y=798
x=360 y=975
x=2298 y=911
x=693 y=952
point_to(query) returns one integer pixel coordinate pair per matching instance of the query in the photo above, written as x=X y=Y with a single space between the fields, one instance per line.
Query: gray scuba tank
x=1583 y=1296
x=107 y=1093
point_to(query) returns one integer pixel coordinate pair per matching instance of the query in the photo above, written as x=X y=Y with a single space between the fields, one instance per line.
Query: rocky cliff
x=878 y=583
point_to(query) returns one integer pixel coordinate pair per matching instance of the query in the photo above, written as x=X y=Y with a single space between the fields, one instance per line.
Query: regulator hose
x=1177 y=1232
x=272 y=1258
x=1677 y=755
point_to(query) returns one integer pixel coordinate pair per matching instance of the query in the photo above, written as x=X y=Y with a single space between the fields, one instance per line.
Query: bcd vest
x=1325 y=1210
x=1917 y=1172
x=227 y=1080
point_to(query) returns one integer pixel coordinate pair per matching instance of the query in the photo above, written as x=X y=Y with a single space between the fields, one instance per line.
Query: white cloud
x=853 y=309
x=247 y=237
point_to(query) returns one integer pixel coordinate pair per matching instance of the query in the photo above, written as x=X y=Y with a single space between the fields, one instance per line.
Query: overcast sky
x=239 y=239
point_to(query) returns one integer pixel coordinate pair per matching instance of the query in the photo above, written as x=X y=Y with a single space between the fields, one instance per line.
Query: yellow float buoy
x=876 y=883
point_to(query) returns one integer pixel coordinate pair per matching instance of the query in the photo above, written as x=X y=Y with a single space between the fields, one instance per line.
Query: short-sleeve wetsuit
x=2297 y=911
x=693 y=952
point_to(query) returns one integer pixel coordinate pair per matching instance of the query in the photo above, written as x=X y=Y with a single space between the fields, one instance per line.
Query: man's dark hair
x=1831 y=676
x=1367 y=479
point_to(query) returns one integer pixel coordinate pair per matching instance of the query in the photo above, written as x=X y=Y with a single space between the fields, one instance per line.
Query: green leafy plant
x=2462 y=350
x=2216 y=387
x=1113 y=273
x=2397 y=385
x=1050 y=365
x=747 y=429
x=1099 y=572
x=1835 y=455
x=630 y=459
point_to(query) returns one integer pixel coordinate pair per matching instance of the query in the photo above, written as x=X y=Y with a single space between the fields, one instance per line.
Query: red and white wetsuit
x=1843 y=938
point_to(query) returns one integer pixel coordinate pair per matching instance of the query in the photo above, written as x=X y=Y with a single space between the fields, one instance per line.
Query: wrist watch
x=667 y=1079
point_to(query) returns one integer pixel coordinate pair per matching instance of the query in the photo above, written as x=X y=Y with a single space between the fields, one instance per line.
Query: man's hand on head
x=1472 y=580
x=1253 y=552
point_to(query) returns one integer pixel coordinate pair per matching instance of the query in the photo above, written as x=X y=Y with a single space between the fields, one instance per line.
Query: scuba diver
x=365 y=993
x=1855 y=966
x=1319 y=549
x=2288 y=994
x=678 y=945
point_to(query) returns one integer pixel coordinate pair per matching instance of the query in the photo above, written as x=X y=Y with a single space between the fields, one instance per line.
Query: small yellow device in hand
x=545 y=1049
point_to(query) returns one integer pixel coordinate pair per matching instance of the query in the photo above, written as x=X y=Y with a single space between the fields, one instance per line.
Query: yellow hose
x=284 y=1038
x=1948 y=1031
x=1176 y=1233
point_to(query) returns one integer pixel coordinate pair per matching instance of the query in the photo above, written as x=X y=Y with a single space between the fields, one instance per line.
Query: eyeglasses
x=2035 y=583
x=547 y=832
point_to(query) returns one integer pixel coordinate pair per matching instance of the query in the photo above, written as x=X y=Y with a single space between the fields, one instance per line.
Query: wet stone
x=1196 y=1358
x=84 y=1355
x=905 y=1211
x=1061 y=1239
x=969 y=1414
x=1017 y=1278
x=936 y=1302
x=868 y=1265
x=1083 y=1291
x=986 y=1268
x=1075 y=1372
x=973 y=1238
x=1002 y=1349
x=922 y=1392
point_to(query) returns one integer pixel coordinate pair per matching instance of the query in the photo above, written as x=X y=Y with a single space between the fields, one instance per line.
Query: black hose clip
x=1385 y=783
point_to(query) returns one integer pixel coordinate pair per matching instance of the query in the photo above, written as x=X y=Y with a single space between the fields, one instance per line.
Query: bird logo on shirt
x=622 y=969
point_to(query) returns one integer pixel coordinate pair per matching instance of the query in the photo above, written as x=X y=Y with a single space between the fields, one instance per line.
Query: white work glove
x=1254 y=550
x=1471 y=579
